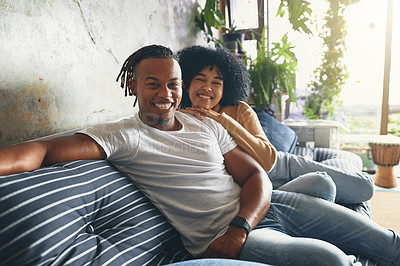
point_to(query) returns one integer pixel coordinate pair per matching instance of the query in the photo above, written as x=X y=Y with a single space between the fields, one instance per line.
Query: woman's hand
x=199 y=112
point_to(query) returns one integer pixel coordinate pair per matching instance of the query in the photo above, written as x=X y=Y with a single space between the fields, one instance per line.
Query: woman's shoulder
x=234 y=108
x=238 y=111
x=243 y=105
x=244 y=108
x=241 y=112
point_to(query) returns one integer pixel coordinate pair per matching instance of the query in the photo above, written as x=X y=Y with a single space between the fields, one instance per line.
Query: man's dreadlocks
x=127 y=72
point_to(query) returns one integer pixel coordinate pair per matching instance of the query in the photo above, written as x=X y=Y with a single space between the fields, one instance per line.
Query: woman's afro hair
x=233 y=71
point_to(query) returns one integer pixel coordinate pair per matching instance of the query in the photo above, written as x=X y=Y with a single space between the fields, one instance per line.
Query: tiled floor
x=386 y=209
x=386 y=205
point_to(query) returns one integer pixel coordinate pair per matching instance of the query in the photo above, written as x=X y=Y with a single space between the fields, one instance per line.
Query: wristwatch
x=241 y=223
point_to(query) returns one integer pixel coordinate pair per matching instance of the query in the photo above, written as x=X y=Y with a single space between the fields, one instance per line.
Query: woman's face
x=206 y=88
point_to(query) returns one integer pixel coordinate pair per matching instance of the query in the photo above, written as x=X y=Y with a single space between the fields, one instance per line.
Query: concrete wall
x=59 y=59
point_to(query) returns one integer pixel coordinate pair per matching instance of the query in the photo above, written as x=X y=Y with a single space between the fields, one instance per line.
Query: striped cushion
x=337 y=158
x=81 y=213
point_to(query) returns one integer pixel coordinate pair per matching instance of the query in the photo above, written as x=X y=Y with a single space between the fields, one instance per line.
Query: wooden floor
x=386 y=209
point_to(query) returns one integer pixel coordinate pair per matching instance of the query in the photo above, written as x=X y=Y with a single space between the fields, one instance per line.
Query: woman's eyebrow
x=216 y=77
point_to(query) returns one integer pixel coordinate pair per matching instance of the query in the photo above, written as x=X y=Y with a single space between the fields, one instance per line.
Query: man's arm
x=32 y=155
x=255 y=199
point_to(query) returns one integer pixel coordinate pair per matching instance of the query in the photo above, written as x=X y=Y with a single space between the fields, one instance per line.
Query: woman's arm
x=242 y=123
x=246 y=130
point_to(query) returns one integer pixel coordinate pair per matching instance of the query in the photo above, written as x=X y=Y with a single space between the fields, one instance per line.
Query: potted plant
x=233 y=40
x=210 y=18
x=272 y=73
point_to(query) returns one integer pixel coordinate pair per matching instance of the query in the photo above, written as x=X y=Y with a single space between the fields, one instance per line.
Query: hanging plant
x=299 y=13
x=331 y=75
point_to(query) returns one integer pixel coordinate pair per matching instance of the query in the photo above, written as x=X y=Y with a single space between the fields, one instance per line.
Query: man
x=211 y=192
x=157 y=85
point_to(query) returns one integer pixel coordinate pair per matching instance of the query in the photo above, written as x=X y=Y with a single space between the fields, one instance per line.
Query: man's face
x=158 y=87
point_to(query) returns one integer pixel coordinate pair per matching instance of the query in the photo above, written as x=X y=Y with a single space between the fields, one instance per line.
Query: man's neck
x=165 y=124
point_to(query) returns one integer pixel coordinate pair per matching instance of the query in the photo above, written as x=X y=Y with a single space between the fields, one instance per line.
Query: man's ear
x=132 y=87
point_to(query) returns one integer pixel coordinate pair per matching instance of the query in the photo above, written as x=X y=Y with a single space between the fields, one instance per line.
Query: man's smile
x=163 y=106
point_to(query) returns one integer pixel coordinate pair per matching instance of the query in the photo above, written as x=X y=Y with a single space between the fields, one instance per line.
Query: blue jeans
x=303 y=230
x=290 y=170
x=317 y=184
x=216 y=262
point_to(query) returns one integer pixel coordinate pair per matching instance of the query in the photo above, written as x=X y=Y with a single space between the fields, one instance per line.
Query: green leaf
x=272 y=72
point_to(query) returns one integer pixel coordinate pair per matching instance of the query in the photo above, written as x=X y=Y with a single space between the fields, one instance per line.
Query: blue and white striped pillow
x=81 y=213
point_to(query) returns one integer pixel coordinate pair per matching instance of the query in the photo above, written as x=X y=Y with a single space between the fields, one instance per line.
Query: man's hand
x=229 y=245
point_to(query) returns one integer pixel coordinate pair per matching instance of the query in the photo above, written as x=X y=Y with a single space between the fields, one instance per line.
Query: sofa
x=285 y=139
x=85 y=213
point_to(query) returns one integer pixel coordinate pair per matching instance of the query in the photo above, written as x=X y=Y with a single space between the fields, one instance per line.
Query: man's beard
x=160 y=121
x=156 y=121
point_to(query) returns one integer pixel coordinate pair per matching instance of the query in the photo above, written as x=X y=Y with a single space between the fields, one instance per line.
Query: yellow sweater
x=242 y=123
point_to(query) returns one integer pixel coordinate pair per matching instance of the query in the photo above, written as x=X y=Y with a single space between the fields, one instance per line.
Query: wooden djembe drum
x=386 y=155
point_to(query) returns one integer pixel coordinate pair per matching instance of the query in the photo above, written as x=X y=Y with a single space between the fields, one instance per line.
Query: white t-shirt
x=182 y=172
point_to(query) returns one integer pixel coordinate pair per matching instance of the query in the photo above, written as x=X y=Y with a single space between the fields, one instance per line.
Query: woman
x=217 y=85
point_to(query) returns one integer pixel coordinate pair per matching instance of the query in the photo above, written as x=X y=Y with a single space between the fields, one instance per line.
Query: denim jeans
x=216 y=262
x=317 y=184
x=351 y=187
x=303 y=230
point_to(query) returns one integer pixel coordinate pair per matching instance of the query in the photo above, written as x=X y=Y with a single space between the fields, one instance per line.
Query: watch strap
x=241 y=223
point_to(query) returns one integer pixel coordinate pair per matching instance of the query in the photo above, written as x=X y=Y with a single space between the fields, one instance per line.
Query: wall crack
x=88 y=30
x=112 y=54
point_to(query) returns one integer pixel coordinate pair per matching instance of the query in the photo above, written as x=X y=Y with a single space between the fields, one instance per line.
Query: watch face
x=239 y=220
